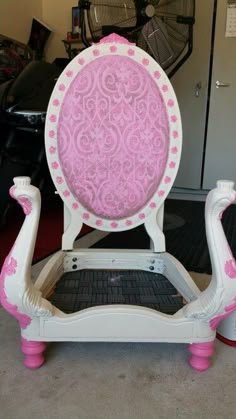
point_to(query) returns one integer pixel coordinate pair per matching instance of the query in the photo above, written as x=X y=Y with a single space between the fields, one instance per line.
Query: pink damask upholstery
x=113 y=137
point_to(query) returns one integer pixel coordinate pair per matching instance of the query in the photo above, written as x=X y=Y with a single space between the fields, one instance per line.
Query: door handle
x=198 y=87
x=221 y=84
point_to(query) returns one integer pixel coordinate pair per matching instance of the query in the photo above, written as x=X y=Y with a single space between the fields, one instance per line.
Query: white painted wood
x=221 y=141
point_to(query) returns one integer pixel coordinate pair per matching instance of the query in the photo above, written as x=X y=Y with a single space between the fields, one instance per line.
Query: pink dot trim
x=131 y=52
x=170 y=103
x=174 y=150
x=52 y=134
x=167 y=179
x=61 y=87
x=128 y=222
x=55 y=165
x=99 y=223
x=164 y=88
x=145 y=61
x=69 y=73
x=161 y=193
x=75 y=206
x=52 y=150
x=152 y=205
x=141 y=216
x=56 y=102
x=53 y=118
x=172 y=165
x=114 y=225
x=66 y=193
x=157 y=74
x=86 y=216
x=59 y=180
x=81 y=61
x=96 y=52
x=174 y=118
x=175 y=134
x=113 y=48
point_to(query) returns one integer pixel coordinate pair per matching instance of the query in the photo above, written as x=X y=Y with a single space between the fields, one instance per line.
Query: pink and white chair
x=113 y=141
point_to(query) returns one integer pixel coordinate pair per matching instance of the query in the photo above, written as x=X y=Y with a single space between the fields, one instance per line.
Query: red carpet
x=49 y=232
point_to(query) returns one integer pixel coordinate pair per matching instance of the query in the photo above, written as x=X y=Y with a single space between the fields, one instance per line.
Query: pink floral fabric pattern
x=113 y=137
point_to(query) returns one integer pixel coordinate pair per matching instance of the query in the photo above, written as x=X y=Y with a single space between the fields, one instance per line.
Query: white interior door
x=221 y=135
x=191 y=87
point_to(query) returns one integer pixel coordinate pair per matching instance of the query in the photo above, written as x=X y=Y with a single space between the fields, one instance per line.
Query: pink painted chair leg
x=201 y=353
x=33 y=352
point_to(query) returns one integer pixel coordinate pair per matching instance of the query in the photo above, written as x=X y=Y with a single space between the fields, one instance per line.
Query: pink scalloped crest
x=114 y=37
x=228 y=310
x=230 y=268
x=26 y=204
x=9 y=269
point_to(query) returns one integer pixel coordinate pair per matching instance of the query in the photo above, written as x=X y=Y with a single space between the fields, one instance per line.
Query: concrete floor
x=114 y=381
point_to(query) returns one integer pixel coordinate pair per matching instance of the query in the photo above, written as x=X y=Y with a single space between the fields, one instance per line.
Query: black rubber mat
x=185 y=240
x=87 y=288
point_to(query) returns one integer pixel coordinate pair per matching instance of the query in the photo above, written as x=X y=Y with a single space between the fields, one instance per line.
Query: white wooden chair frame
x=42 y=322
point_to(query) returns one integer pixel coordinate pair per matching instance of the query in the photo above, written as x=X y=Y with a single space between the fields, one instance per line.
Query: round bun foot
x=201 y=353
x=33 y=352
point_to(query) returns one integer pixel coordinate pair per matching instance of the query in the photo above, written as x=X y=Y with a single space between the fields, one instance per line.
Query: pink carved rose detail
x=26 y=204
x=9 y=269
x=214 y=323
x=230 y=268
